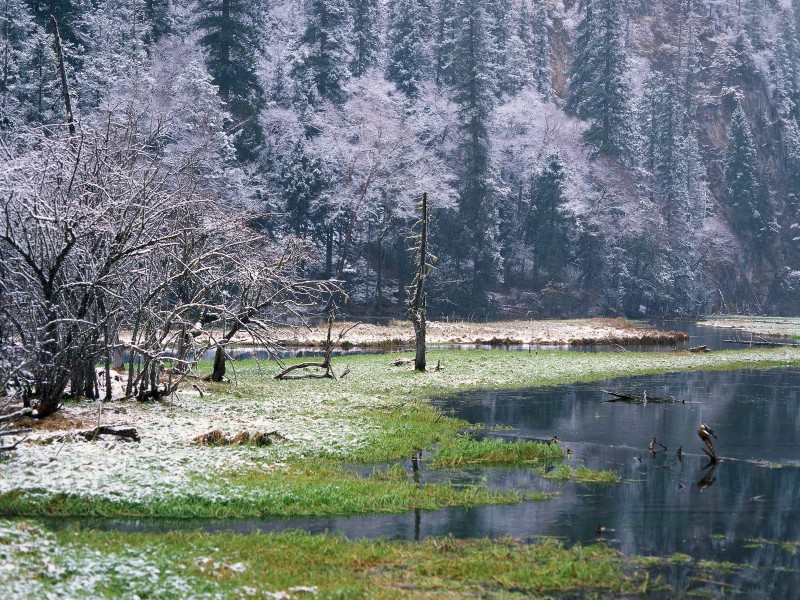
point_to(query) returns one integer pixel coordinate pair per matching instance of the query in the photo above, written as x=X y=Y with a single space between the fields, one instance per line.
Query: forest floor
x=378 y=414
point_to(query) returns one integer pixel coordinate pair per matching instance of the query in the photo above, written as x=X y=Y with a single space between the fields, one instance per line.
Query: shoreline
x=576 y=332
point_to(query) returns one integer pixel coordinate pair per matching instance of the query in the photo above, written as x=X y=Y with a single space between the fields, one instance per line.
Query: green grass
x=582 y=474
x=466 y=450
x=194 y=564
x=316 y=489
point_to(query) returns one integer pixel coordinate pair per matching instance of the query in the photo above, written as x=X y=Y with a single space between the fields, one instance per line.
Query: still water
x=744 y=510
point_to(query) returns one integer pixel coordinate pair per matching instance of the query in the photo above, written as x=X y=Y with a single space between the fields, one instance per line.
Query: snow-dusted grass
x=73 y=563
x=377 y=413
x=765 y=326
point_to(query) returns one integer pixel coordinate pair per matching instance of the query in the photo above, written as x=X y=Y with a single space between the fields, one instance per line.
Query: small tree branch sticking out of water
x=325 y=363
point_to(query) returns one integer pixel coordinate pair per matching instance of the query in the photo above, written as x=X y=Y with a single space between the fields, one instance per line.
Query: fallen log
x=216 y=437
x=324 y=364
x=13 y=446
x=641 y=398
x=24 y=412
x=125 y=433
x=767 y=343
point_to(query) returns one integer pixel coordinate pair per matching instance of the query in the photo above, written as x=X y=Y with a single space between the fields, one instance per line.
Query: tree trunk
x=418 y=302
x=218 y=373
x=63 y=73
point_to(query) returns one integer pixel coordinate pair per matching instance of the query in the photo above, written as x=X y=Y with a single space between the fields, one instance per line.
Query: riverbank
x=378 y=413
x=396 y=333
x=742 y=326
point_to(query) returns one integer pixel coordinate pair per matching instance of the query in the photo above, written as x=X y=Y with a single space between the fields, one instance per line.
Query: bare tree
x=417 y=298
x=101 y=235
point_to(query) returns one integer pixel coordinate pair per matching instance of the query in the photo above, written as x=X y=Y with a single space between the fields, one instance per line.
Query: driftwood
x=402 y=362
x=641 y=398
x=24 y=412
x=12 y=446
x=125 y=433
x=767 y=343
x=325 y=363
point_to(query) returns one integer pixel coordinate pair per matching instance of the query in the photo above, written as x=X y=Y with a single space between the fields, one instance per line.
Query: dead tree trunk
x=218 y=374
x=63 y=73
x=417 y=303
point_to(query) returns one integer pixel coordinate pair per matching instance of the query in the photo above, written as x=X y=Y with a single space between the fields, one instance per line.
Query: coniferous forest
x=581 y=157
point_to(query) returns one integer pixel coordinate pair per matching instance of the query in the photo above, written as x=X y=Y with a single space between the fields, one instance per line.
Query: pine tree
x=232 y=32
x=580 y=78
x=475 y=86
x=408 y=57
x=68 y=14
x=740 y=177
x=445 y=41
x=785 y=97
x=16 y=32
x=158 y=14
x=542 y=77
x=324 y=56
x=547 y=227
x=114 y=47
x=302 y=181
x=598 y=89
x=500 y=23
x=37 y=89
x=366 y=35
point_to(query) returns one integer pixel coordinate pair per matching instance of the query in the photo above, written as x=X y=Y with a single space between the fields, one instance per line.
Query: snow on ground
x=551 y=333
x=34 y=565
x=767 y=326
x=166 y=464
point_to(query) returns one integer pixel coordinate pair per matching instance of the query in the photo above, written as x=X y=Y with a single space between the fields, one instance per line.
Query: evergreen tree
x=500 y=22
x=366 y=35
x=445 y=41
x=302 y=181
x=68 y=14
x=740 y=177
x=114 y=47
x=408 y=58
x=324 y=56
x=580 y=78
x=547 y=226
x=16 y=33
x=474 y=97
x=232 y=32
x=158 y=14
x=691 y=68
x=598 y=89
x=733 y=67
x=785 y=97
x=542 y=77
x=37 y=88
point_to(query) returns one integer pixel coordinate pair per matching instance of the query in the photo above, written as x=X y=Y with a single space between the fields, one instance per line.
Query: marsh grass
x=466 y=450
x=317 y=489
x=581 y=474
x=297 y=564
